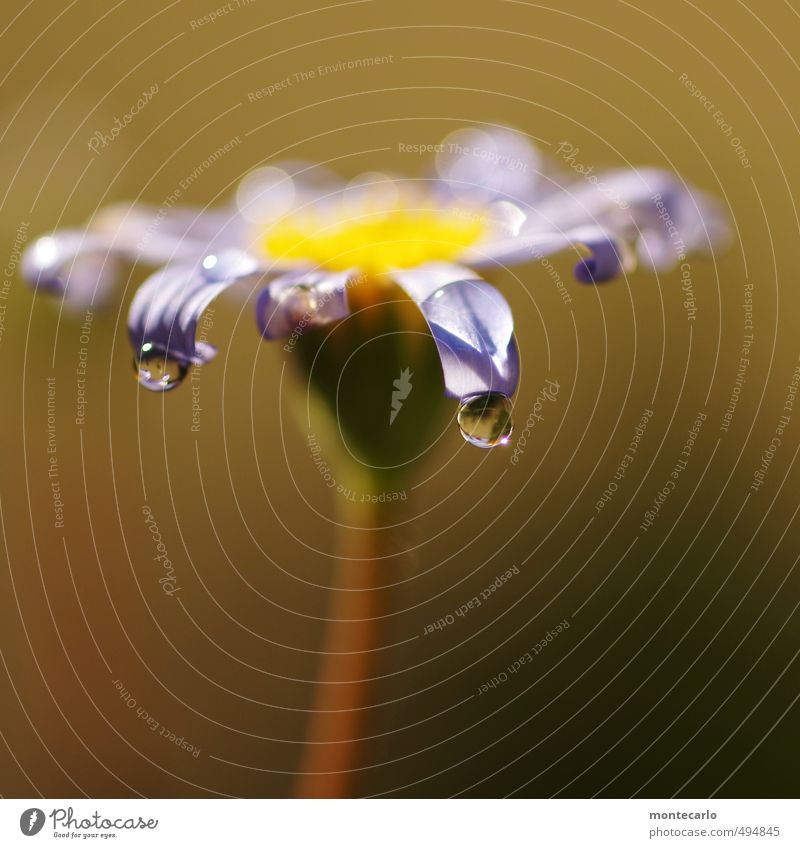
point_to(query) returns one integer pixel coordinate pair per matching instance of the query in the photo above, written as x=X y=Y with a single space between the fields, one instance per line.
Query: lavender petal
x=302 y=299
x=607 y=214
x=608 y=253
x=489 y=164
x=168 y=305
x=83 y=264
x=472 y=326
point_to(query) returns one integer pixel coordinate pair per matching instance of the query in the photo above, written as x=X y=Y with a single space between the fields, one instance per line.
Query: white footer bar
x=402 y=823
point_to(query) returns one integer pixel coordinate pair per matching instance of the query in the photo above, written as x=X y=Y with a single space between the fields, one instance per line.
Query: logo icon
x=402 y=389
x=31 y=821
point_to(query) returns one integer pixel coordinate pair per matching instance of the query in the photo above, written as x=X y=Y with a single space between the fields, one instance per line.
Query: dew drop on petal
x=485 y=420
x=302 y=302
x=157 y=371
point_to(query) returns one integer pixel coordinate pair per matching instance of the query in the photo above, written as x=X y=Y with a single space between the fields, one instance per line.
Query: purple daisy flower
x=305 y=238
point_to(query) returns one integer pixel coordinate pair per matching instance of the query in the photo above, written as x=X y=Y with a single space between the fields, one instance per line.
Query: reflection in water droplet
x=485 y=420
x=303 y=302
x=156 y=371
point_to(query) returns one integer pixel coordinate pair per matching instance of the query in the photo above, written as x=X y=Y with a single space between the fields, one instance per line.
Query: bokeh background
x=677 y=674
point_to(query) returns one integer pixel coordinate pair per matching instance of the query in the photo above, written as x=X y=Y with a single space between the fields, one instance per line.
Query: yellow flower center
x=373 y=242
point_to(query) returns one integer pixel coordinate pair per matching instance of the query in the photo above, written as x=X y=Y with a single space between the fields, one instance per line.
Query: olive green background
x=678 y=673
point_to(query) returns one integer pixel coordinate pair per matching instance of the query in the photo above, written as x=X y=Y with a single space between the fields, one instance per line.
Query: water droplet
x=302 y=301
x=157 y=371
x=485 y=420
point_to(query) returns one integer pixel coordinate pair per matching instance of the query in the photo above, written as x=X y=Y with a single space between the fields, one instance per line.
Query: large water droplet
x=157 y=371
x=303 y=301
x=485 y=420
x=310 y=305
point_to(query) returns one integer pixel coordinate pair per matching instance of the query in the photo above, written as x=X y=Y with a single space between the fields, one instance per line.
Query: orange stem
x=340 y=707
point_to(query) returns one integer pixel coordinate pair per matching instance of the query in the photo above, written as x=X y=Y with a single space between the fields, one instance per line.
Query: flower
x=306 y=238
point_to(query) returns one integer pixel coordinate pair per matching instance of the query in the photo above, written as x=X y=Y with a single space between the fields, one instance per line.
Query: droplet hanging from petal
x=485 y=420
x=303 y=300
x=156 y=370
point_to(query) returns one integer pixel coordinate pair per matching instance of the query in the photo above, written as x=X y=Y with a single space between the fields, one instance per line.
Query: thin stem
x=341 y=699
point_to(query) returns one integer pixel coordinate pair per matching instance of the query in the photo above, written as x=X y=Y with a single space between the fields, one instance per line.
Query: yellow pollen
x=373 y=242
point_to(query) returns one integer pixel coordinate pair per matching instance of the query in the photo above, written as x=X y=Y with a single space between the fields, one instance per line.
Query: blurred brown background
x=678 y=671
